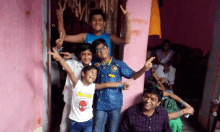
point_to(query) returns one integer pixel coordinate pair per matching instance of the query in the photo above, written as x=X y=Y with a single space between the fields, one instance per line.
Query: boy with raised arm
x=82 y=94
x=97 y=23
x=108 y=102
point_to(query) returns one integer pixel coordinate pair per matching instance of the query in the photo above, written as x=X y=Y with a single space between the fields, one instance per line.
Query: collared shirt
x=111 y=98
x=134 y=120
x=76 y=67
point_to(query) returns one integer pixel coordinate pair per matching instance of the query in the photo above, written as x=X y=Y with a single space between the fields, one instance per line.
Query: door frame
x=46 y=39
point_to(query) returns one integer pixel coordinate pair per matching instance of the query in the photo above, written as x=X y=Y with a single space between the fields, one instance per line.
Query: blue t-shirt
x=111 y=98
x=90 y=37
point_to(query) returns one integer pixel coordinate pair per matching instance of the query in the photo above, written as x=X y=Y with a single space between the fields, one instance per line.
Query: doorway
x=72 y=26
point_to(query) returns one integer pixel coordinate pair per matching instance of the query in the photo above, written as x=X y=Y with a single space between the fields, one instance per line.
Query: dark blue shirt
x=113 y=71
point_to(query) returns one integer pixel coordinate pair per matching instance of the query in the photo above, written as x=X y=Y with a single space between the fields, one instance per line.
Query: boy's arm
x=176 y=98
x=158 y=80
x=79 y=38
x=68 y=55
x=58 y=58
x=173 y=115
x=59 y=13
x=161 y=85
x=146 y=67
x=112 y=85
x=126 y=39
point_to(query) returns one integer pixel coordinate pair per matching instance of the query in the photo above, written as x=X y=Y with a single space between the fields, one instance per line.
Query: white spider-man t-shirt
x=82 y=99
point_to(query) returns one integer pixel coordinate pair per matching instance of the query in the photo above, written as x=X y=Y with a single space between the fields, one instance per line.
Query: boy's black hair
x=87 y=68
x=97 y=42
x=97 y=12
x=82 y=47
x=150 y=80
x=156 y=91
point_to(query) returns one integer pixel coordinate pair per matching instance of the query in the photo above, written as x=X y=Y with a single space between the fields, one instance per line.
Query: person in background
x=151 y=53
x=164 y=68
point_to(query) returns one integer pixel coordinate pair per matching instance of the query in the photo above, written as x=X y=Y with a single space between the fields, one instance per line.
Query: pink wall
x=135 y=51
x=188 y=22
x=21 y=84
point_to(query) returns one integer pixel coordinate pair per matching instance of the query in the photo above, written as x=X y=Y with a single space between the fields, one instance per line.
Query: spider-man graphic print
x=82 y=99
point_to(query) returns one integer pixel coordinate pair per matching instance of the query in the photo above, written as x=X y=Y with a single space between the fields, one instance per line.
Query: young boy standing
x=97 y=23
x=108 y=102
x=82 y=94
x=85 y=57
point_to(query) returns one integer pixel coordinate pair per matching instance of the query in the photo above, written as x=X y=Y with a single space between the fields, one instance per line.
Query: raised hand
x=60 y=11
x=59 y=41
x=66 y=55
x=55 y=55
x=126 y=85
x=149 y=64
x=126 y=12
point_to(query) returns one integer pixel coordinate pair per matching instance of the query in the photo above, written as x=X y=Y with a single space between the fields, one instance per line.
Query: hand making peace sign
x=60 y=11
x=126 y=12
x=55 y=55
x=149 y=64
x=59 y=41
